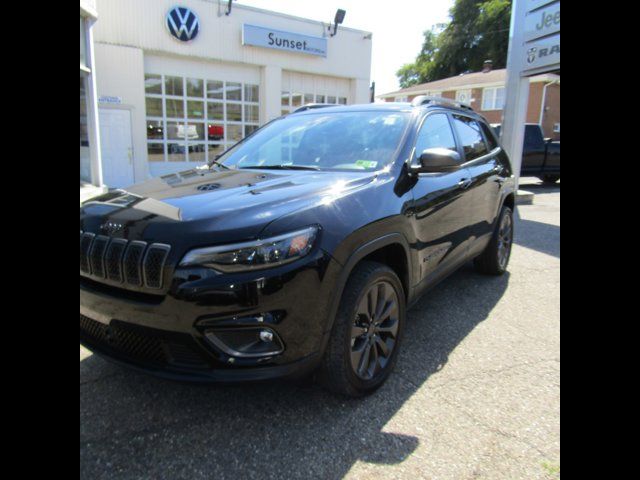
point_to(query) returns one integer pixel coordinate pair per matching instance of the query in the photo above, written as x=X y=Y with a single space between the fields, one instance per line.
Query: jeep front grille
x=130 y=263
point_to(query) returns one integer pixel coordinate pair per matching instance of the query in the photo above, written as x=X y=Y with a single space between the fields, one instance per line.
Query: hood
x=220 y=206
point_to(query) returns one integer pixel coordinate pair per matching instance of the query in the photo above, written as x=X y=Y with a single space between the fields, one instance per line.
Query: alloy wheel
x=505 y=241
x=374 y=334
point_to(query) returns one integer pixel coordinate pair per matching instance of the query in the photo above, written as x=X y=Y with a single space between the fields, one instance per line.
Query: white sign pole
x=515 y=111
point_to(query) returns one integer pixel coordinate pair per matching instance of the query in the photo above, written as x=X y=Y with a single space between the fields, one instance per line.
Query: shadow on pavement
x=135 y=426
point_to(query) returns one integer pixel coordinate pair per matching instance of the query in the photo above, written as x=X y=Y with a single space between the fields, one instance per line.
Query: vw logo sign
x=183 y=24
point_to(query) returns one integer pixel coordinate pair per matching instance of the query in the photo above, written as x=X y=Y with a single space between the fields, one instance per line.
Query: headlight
x=261 y=254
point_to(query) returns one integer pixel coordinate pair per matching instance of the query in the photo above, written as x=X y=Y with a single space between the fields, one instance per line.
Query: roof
x=466 y=80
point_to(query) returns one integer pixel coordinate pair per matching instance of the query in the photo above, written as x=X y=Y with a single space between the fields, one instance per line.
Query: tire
x=346 y=368
x=495 y=260
x=550 y=179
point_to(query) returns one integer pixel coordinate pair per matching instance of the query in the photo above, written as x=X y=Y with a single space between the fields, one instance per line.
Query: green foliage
x=478 y=30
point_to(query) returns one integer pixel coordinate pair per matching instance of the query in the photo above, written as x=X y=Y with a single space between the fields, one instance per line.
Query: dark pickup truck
x=541 y=156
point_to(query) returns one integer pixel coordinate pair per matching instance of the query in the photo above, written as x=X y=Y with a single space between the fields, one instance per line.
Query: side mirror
x=438 y=160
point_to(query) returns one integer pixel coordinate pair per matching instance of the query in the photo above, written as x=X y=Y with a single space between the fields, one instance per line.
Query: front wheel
x=495 y=259
x=364 y=344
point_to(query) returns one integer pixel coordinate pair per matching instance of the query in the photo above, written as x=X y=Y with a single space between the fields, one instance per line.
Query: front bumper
x=166 y=335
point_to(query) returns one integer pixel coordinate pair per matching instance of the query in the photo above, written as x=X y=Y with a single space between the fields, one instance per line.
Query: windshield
x=322 y=141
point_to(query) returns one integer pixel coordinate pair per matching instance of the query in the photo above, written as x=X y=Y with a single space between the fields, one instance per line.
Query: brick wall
x=550 y=118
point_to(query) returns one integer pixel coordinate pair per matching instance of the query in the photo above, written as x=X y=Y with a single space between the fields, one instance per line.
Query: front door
x=441 y=205
x=116 y=147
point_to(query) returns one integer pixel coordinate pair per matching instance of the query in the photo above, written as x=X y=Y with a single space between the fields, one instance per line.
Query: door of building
x=116 y=146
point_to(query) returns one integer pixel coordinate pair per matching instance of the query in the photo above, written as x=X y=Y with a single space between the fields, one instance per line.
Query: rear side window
x=491 y=138
x=435 y=133
x=471 y=137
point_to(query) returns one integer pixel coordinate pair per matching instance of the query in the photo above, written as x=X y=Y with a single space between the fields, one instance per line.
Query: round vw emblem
x=183 y=24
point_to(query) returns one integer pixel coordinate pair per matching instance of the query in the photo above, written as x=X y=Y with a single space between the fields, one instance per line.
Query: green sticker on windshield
x=366 y=164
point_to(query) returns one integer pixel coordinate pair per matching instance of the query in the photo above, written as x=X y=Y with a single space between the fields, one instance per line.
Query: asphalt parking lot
x=476 y=395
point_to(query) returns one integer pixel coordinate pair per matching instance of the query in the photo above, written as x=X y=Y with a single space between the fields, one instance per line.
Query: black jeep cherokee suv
x=300 y=249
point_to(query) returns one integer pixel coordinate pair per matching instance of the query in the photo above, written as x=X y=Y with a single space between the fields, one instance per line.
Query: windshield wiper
x=282 y=167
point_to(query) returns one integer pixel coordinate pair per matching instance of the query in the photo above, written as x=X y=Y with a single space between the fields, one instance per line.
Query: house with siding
x=485 y=92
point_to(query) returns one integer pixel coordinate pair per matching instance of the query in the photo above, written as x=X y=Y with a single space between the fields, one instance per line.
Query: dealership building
x=167 y=87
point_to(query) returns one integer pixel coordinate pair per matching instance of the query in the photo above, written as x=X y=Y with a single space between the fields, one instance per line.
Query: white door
x=116 y=145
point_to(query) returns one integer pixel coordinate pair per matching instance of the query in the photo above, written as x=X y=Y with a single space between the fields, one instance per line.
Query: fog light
x=246 y=342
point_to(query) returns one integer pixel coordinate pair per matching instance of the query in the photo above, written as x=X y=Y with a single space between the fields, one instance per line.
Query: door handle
x=465 y=183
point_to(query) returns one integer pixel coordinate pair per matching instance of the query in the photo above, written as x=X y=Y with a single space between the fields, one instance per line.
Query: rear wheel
x=364 y=344
x=495 y=259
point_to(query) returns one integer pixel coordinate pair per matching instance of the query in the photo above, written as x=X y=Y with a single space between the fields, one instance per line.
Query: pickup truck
x=541 y=156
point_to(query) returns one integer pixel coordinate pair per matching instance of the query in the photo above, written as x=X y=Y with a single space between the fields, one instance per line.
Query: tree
x=478 y=31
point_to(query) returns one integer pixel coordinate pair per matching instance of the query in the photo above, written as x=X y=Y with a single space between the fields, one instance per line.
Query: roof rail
x=313 y=106
x=426 y=100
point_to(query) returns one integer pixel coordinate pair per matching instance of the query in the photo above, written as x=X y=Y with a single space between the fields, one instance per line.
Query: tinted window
x=491 y=139
x=471 y=137
x=435 y=133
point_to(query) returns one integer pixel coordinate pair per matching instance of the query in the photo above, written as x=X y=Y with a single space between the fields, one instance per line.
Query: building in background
x=485 y=92
x=90 y=165
x=178 y=83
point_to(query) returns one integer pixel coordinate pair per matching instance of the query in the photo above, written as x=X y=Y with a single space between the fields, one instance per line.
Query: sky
x=397 y=27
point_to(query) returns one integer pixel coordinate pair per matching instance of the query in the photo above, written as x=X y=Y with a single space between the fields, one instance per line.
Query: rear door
x=441 y=203
x=481 y=151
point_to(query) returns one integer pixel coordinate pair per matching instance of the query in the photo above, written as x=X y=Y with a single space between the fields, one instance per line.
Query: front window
x=348 y=141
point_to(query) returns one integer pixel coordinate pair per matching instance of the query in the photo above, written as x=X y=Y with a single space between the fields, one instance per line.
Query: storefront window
x=83 y=44
x=196 y=119
x=292 y=101
x=85 y=155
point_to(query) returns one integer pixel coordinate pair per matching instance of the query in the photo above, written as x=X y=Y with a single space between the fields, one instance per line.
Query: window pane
x=154 y=107
x=249 y=129
x=85 y=155
x=215 y=150
x=83 y=43
x=215 y=132
x=487 y=99
x=194 y=132
x=155 y=152
x=321 y=99
x=215 y=111
x=308 y=98
x=234 y=91
x=285 y=99
x=331 y=99
x=251 y=93
x=500 y=98
x=195 y=87
x=176 y=152
x=234 y=112
x=174 y=86
x=471 y=137
x=251 y=114
x=175 y=108
x=175 y=131
x=234 y=133
x=342 y=100
x=435 y=133
x=296 y=100
x=153 y=84
x=195 y=109
x=155 y=130
x=215 y=90
x=284 y=112
x=197 y=153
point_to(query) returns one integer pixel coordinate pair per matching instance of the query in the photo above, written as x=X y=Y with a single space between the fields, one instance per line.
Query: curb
x=525 y=198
